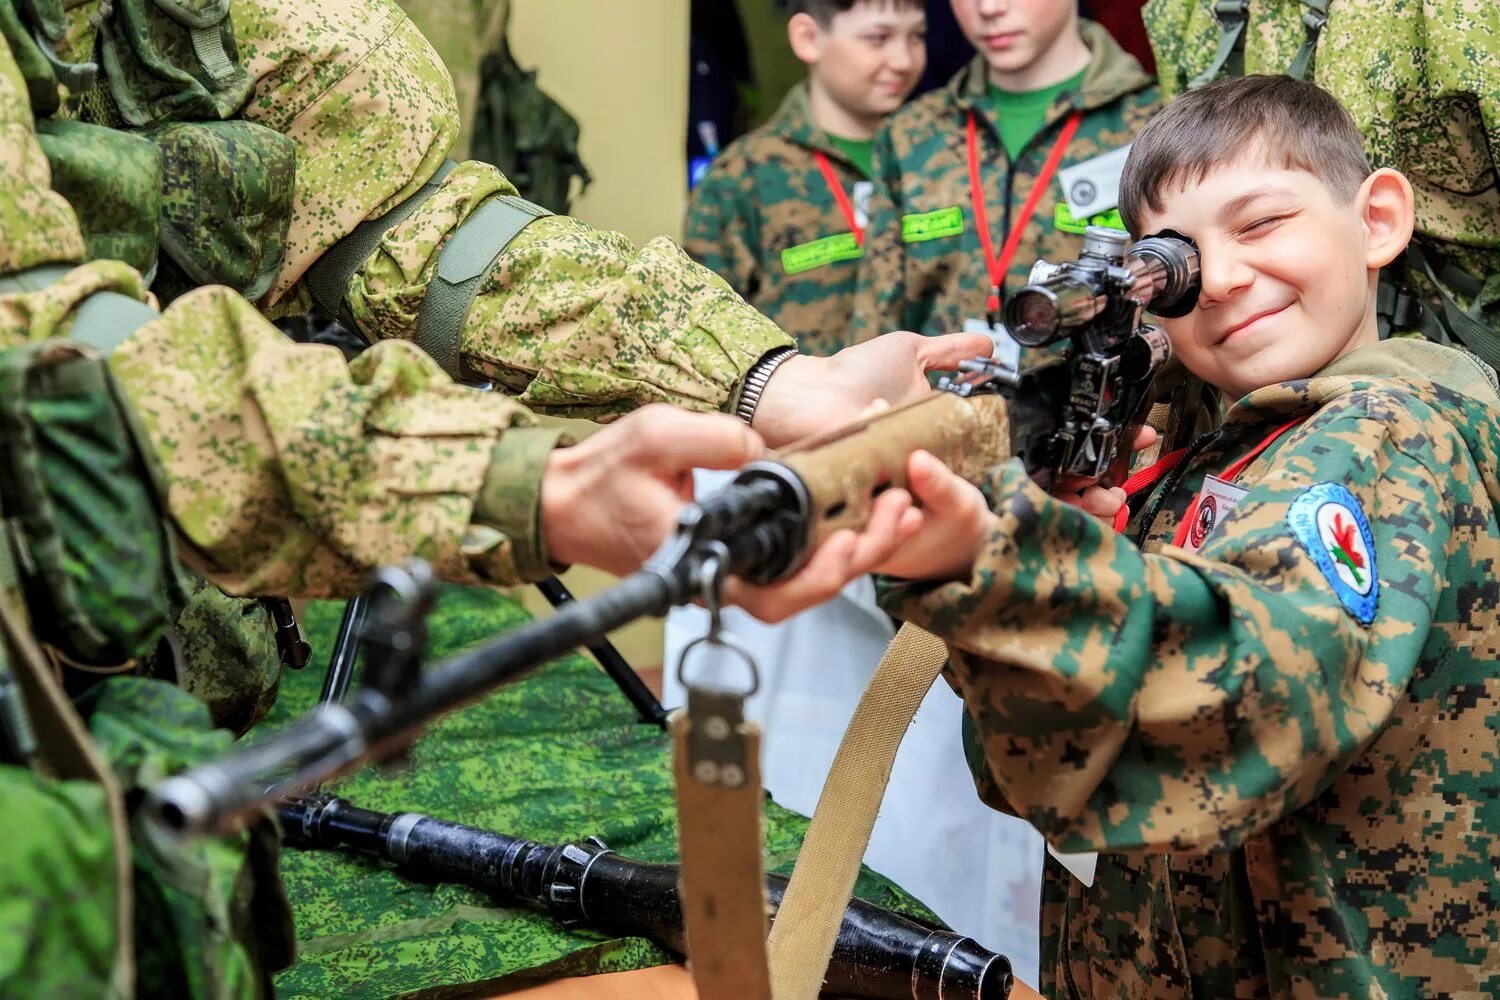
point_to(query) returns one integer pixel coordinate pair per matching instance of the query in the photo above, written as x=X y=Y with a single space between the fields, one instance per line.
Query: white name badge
x=1007 y=350
x=860 y=196
x=1215 y=501
x=1082 y=865
x=1093 y=186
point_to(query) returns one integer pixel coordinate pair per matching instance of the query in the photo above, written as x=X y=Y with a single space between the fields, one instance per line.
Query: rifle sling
x=807 y=924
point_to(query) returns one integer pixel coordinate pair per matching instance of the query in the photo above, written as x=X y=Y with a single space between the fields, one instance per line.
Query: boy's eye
x=1262 y=225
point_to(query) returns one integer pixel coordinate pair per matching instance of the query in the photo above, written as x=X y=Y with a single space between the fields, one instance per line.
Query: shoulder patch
x=1329 y=522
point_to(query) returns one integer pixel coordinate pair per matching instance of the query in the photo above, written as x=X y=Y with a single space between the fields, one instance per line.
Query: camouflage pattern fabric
x=1422 y=87
x=764 y=219
x=461 y=33
x=571 y=319
x=924 y=266
x=1292 y=782
x=556 y=757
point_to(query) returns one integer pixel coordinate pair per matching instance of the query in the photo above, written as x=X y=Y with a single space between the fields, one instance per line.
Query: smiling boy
x=781 y=214
x=1280 y=734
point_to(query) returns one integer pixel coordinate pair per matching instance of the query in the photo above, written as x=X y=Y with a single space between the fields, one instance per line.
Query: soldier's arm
x=567 y=317
x=880 y=291
x=721 y=225
x=1172 y=701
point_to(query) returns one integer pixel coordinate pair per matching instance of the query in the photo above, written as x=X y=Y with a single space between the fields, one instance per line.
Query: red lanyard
x=999 y=266
x=845 y=205
x=1148 y=477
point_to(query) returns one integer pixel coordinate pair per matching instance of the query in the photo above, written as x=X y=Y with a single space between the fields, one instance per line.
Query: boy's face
x=870 y=56
x=1286 y=282
x=1014 y=34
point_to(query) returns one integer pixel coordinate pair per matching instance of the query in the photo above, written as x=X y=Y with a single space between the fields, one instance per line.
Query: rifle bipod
x=347 y=647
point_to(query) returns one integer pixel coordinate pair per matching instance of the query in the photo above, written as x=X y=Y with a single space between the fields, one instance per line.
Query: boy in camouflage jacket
x=1270 y=705
x=781 y=213
x=926 y=267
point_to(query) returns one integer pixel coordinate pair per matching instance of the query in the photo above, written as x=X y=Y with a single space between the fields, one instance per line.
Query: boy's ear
x=806 y=37
x=1385 y=202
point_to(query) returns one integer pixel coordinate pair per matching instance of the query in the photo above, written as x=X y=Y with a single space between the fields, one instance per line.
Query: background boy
x=781 y=213
x=1282 y=741
x=971 y=178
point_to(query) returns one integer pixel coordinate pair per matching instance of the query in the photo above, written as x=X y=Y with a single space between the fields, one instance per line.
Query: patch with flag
x=1329 y=522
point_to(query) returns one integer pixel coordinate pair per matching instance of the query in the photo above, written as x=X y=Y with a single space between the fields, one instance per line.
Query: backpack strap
x=1233 y=16
x=1313 y=19
x=102 y=321
x=465 y=259
x=1453 y=322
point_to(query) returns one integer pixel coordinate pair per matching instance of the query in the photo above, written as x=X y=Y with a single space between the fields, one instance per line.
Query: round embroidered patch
x=1203 y=521
x=1329 y=522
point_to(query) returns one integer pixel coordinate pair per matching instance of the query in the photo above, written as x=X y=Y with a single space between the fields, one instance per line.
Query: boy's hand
x=1101 y=497
x=953 y=522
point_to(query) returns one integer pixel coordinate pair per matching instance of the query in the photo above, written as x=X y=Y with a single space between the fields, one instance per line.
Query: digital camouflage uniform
x=1293 y=785
x=924 y=267
x=1422 y=81
x=764 y=218
x=290 y=471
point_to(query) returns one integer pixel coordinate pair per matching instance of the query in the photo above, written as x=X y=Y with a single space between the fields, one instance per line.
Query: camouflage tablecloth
x=555 y=757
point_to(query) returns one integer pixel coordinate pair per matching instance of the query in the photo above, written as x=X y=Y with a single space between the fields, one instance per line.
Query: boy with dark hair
x=781 y=213
x=1007 y=164
x=1270 y=705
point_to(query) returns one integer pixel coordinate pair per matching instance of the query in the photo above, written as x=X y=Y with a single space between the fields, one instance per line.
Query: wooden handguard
x=845 y=470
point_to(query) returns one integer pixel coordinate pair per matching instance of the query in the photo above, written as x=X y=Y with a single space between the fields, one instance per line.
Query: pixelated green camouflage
x=932 y=285
x=113 y=181
x=1422 y=82
x=556 y=757
x=764 y=195
x=461 y=33
x=1288 y=802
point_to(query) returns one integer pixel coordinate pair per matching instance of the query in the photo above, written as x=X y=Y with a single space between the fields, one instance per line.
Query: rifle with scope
x=1065 y=417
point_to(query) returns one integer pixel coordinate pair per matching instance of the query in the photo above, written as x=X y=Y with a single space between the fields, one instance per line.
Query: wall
x=621 y=68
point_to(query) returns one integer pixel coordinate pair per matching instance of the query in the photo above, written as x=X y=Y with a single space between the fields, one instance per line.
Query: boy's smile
x=1287 y=285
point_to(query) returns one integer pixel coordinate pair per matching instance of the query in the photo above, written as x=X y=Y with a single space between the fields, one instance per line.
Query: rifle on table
x=879 y=954
x=1065 y=417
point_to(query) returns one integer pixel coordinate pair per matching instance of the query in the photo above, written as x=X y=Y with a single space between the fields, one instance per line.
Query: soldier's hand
x=807 y=395
x=952 y=524
x=612 y=499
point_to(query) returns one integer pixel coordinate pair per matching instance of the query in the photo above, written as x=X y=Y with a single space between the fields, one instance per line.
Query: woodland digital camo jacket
x=1284 y=744
x=923 y=267
x=1422 y=81
x=763 y=217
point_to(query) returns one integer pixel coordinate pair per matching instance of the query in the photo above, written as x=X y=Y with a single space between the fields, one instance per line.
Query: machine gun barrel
x=879 y=954
x=760 y=528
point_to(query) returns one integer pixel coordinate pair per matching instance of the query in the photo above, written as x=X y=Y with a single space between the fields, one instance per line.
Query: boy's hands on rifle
x=808 y=395
x=610 y=500
x=1102 y=497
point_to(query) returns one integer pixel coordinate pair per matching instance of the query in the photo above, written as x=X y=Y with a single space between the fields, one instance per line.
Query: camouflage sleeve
x=1172 y=701
x=290 y=471
x=881 y=289
x=721 y=229
x=571 y=318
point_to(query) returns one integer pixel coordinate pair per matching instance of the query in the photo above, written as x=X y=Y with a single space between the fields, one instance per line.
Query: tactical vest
x=147 y=152
x=1422 y=291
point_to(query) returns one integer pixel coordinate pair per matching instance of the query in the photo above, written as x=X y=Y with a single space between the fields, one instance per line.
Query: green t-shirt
x=1022 y=114
x=860 y=152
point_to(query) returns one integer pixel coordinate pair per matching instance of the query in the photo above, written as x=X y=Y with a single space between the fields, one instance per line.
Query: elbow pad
x=462 y=264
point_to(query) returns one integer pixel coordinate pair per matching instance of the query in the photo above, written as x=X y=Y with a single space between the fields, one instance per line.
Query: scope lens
x=1032 y=318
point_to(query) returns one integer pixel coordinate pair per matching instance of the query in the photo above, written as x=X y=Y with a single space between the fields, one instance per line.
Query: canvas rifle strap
x=716 y=764
x=807 y=923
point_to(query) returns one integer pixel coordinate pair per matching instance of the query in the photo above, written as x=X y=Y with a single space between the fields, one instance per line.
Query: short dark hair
x=1299 y=125
x=824 y=11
